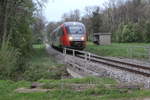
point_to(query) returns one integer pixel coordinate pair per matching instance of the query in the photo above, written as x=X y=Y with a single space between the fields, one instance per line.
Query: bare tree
x=71 y=16
x=51 y=26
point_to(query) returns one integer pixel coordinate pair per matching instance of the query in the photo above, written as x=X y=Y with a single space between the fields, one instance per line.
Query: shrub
x=138 y=32
x=132 y=32
x=37 y=72
x=147 y=32
x=117 y=35
x=8 y=60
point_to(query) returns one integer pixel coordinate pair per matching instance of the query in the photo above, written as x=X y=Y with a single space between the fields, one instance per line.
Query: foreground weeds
x=43 y=66
x=8 y=60
x=44 y=70
x=71 y=89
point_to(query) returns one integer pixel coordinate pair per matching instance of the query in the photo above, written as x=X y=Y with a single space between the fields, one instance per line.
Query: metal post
x=73 y=52
x=149 y=53
x=89 y=56
x=64 y=52
x=130 y=53
x=85 y=57
x=148 y=84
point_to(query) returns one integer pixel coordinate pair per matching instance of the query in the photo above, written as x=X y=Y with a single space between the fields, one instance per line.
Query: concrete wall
x=105 y=39
x=102 y=38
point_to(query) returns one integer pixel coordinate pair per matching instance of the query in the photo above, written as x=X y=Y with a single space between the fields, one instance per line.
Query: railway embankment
x=62 y=88
x=88 y=68
x=78 y=67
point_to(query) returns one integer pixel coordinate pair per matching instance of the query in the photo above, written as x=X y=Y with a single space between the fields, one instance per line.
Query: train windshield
x=76 y=29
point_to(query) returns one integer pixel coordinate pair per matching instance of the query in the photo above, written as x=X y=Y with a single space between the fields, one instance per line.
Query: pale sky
x=56 y=8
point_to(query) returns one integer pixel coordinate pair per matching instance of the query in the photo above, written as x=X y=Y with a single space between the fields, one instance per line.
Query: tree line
x=127 y=20
x=18 y=20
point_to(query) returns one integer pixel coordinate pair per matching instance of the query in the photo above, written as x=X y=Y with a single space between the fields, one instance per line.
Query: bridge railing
x=133 y=54
x=73 y=52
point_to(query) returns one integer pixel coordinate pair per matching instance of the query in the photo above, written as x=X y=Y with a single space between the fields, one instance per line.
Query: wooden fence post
x=149 y=53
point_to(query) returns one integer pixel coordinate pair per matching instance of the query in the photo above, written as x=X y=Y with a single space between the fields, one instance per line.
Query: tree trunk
x=5 y=21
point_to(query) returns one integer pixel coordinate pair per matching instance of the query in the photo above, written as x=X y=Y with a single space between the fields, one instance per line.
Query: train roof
x=68 y=24
x=72 y=23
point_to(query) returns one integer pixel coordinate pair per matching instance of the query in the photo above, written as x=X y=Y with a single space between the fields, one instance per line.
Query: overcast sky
x=56 y=8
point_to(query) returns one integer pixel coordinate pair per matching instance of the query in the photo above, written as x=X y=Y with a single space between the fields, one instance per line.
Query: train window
x=76 y=29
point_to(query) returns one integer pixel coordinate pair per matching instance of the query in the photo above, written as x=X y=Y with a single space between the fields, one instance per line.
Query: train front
x=76 y=35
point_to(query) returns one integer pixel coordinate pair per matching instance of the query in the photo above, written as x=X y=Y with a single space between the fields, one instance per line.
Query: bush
x=147 y=32
x=8 y=60
x=138 y=31
x=132 y=32
x=37 y=72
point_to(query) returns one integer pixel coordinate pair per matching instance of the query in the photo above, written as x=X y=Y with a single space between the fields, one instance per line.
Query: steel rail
x=121 y=62
x=99 y=59
x=118 y=67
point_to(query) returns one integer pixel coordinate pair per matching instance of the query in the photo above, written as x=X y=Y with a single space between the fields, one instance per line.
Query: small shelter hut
x=102 y=38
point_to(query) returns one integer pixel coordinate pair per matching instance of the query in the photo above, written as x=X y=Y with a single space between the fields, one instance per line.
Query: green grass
x=87 y=80
x=7 y=91
x=42 y=66
x=41 y=62
x=41 y=57
x=128 y=50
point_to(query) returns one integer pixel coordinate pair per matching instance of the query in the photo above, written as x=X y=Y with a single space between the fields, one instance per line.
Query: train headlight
x=82 y=38
x=70 y=38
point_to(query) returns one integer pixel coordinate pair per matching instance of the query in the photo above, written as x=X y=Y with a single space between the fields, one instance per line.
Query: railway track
x=130 y=67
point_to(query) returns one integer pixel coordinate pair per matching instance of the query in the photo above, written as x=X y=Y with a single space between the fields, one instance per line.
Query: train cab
x=70 y=35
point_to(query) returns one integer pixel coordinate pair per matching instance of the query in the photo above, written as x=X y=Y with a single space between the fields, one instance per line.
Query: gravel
x=107 y=71
x=86 y=68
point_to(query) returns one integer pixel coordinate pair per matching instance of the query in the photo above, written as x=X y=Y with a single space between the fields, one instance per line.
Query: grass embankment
x=103 y=90
x=42 y=66
x=44 y=69
x=128 y=50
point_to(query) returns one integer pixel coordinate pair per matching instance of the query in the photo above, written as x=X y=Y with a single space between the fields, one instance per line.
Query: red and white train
x=70 y=35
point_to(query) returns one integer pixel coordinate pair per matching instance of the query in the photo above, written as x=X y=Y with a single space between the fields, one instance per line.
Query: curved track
x=130 y=67
x=138 y=69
